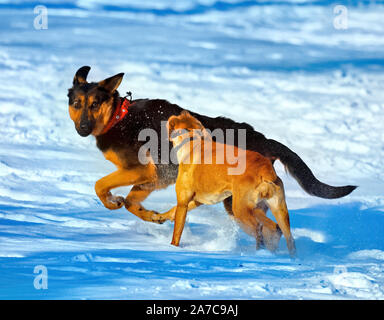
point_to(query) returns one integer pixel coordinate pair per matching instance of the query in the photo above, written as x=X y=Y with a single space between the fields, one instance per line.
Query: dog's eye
x=173 y=135
x=179 y=132
x=94 y=106
x=76 y=104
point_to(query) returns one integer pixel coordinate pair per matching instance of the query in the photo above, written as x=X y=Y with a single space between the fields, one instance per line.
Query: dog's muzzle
x=84 y=129
x=85 y=126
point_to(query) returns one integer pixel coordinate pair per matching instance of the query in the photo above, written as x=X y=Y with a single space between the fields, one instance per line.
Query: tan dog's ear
x=185 y=113
x=171 y=124
x=112 y=83
x=196 y=124
x=81 y=75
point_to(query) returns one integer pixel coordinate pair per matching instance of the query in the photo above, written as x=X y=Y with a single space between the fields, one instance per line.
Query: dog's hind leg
x=267 y=235
x=279 y=209
x=228 y=205
x=270 y=231
x=243 y=215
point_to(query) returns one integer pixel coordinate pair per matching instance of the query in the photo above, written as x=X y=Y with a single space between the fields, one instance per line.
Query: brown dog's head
x=91 y=104
x=183 y=126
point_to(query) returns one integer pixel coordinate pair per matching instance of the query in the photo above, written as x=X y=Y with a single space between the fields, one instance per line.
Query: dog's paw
x=114 y=202
x=157 y=218
x=169 y=215
x=271 y=238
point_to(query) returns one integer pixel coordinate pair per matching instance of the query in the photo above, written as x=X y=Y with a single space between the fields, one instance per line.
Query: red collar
x=119 y=114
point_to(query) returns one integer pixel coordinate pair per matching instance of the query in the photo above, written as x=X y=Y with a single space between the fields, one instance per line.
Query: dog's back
x=209 y=167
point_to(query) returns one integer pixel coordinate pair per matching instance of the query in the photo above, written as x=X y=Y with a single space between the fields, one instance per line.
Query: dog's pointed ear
x=112 y=83
x=185 y=113
x=81 y=75
x=198 y=124
x=171 y=124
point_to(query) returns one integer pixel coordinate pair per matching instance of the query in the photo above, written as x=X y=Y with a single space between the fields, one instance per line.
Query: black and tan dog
x=96 y=108
x=206 y=176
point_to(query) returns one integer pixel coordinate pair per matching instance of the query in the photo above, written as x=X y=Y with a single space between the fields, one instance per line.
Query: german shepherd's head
x=91 y=105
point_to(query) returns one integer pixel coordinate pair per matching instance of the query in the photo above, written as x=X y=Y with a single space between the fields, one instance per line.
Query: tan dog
x=199 y=182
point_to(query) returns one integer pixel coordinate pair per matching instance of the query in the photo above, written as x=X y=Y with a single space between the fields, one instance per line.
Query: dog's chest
x=114 y=158
x=212 y=198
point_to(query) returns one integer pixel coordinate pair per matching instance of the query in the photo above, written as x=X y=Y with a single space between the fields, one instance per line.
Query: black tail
x=303 y=175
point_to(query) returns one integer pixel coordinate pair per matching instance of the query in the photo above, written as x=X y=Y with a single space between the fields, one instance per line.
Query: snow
x=279 y=65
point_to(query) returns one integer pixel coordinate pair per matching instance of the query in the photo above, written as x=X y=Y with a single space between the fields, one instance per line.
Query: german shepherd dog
x=205 y=177
x=94 y=107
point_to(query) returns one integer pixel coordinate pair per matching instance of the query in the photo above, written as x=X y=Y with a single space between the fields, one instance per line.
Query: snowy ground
x=280 y=66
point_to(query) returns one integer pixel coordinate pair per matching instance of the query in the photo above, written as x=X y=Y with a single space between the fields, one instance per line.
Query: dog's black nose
x=84 y=129
x=83 y=126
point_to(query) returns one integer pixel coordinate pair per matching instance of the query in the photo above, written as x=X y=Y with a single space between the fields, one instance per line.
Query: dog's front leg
x=133 y=203
x=184 y=197
x=119 y=178
x=170 y=214
x=181 y=215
